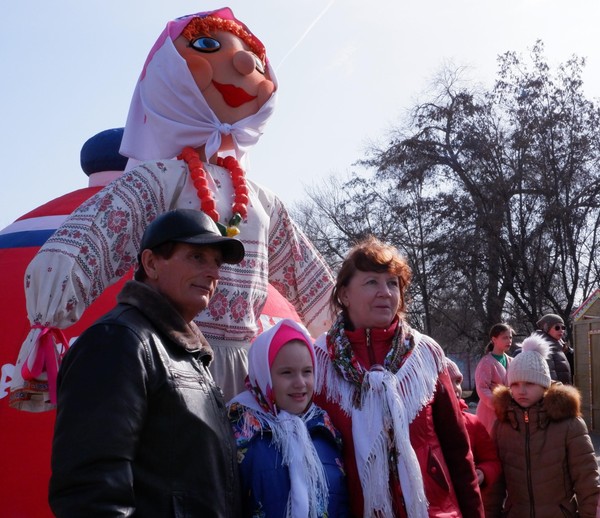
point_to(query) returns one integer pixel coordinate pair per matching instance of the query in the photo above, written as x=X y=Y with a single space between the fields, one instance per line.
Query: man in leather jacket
x=141 y=427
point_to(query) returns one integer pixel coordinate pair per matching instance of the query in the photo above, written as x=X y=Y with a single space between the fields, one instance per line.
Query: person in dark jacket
x=551 y=328
x=141 y=428
x=289 y=452
x=546 y=452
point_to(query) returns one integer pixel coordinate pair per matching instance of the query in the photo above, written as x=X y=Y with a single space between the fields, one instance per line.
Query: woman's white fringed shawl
x=388 y=402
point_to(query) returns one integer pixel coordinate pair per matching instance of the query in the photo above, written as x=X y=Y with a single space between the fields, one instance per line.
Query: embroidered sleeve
x=297 y=270
x=96 y=245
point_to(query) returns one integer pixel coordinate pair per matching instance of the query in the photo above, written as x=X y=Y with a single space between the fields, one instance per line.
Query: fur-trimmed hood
x=559 y=402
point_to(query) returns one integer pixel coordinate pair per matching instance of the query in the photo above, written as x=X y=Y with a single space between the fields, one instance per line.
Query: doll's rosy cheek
x=199 y=66
x=265 y=90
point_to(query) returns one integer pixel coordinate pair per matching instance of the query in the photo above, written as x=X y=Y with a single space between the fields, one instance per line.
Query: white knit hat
x=531 y=365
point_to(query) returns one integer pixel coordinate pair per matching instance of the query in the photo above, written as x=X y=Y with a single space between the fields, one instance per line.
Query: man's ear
x=149 y=262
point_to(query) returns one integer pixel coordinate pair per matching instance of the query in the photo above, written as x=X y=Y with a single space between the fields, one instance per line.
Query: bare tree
x=492 y=195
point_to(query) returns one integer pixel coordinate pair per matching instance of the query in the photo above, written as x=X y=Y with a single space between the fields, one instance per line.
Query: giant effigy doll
x=202 y=100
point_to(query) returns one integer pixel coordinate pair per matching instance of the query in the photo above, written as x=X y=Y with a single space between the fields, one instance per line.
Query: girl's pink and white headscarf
x=261 y=355
x=168 y=112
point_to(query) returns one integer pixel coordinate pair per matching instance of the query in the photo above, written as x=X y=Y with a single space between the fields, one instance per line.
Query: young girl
x=547 y=455
x=288 y=451
x=491 y=372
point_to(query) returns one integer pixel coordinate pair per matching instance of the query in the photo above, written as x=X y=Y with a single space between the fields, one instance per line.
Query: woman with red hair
x=386 y=388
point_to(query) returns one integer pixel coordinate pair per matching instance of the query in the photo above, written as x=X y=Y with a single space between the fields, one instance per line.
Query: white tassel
x=409 y=470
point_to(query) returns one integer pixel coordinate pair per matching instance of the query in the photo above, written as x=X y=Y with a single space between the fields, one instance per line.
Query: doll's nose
x=244 y=62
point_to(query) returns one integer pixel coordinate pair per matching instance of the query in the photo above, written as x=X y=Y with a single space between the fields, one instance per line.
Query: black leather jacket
x=141 y=428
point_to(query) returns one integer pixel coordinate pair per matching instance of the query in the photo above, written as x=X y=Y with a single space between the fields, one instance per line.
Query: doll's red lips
x=233 y=95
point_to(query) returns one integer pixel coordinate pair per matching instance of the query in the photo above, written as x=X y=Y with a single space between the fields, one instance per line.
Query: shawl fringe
x=386 y=401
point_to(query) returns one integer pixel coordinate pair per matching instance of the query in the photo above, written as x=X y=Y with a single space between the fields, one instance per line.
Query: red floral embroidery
x=70 y=305
x=105 y=203
x=218 y=306
x=121 y=244
x=117 y=221
x=239 y=306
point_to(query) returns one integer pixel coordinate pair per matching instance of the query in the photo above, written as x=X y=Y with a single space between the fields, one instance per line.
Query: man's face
x=232 y=79
x=188 y=278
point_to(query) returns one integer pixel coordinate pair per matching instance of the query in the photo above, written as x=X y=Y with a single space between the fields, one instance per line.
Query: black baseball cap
x=193 y=227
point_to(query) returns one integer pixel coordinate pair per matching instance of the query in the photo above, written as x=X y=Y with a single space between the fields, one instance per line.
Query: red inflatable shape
x=26 y=438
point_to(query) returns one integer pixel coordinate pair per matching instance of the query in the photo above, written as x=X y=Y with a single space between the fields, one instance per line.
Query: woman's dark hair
x=372 y=255
x=497 y=330
x=164 y=250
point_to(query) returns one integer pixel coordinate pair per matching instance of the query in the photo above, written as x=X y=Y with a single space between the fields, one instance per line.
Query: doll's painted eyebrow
x=205 y=27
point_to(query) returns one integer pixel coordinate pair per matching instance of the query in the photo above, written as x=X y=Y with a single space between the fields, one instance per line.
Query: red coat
x=485 y=455
x=445 y=458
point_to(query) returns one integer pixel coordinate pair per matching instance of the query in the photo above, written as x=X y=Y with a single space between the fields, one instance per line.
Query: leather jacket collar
x=164 y=317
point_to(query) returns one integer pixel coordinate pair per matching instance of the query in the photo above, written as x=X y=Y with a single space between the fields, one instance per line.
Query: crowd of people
x=173 y=404
x=366 y=420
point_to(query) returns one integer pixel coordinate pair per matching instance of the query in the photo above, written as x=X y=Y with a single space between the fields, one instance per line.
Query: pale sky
x=347 y=71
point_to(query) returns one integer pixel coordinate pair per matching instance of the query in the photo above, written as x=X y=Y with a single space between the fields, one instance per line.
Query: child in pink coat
x=491 y=372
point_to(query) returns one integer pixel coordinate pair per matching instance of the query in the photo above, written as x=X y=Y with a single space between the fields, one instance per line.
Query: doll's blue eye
x=205 y=44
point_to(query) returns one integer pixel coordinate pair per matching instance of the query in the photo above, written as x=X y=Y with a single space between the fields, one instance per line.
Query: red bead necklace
x=239 y=207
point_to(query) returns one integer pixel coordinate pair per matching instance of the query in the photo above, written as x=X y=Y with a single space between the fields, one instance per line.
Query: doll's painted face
x=233 y=80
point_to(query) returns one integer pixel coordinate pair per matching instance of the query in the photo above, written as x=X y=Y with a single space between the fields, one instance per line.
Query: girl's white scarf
x=309 y=493
x=387 y=402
